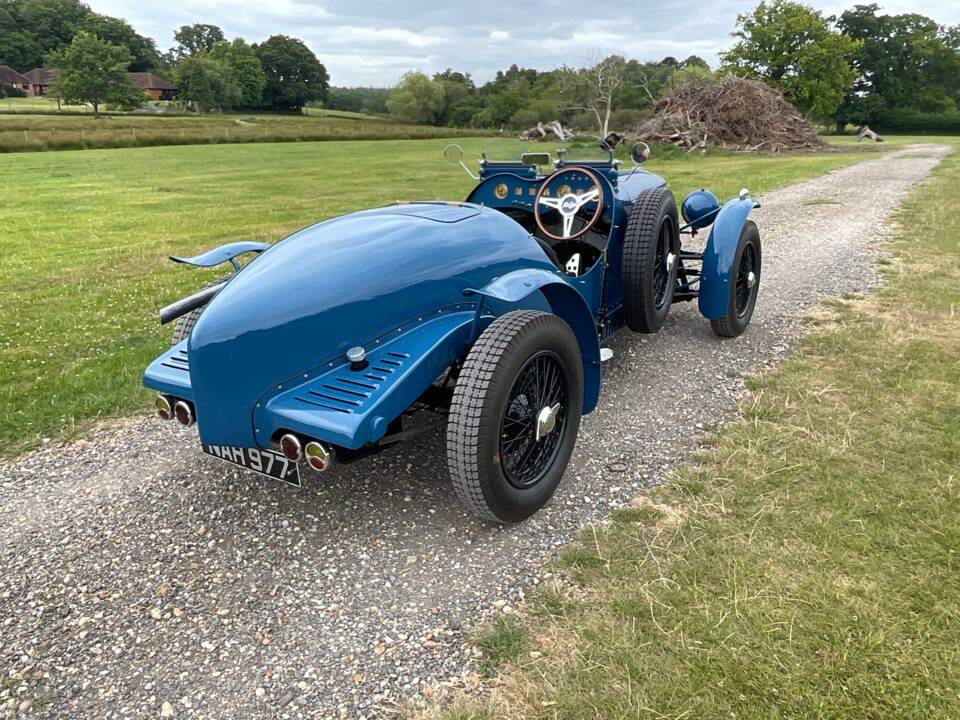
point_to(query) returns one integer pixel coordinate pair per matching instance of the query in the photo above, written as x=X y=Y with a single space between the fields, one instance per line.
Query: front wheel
x=515 y=415
x=744 y=284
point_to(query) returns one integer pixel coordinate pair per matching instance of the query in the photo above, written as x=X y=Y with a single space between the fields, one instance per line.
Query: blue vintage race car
x=486 y=315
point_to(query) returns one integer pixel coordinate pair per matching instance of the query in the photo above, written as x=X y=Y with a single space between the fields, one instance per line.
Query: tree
x=795 y=49
x=207 y=83
x=417 y=98
x=592 y=89
x=245 y=69
x=119 y=32
x=93 y=71
x=294 y=74
x=196 y=38
x=30 y=29
x=904 y=61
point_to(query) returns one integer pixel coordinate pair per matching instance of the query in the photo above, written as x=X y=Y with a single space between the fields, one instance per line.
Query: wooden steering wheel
x=570 y=204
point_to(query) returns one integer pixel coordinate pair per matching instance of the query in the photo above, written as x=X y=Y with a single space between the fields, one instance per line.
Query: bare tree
x=592 y=88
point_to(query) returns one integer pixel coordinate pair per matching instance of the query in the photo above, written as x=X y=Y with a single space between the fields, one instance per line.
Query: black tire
x=743 y=295
x=184 y=324
x=492 y=424
x=648 y=283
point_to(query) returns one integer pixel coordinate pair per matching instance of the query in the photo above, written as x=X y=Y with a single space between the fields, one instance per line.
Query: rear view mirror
x=454 y=153
x=533 y=159
x=640 y=152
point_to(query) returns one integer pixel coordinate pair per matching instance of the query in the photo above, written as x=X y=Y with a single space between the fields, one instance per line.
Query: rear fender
x=229 y=252
x=516 y=287
x=350 y=408
x=719 y=255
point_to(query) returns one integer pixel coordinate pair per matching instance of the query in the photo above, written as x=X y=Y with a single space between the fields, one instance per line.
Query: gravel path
x=143 y=579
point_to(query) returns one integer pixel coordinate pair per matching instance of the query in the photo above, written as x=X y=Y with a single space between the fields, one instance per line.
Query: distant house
x=40 y=80
x=11 y=78
x=154 y=87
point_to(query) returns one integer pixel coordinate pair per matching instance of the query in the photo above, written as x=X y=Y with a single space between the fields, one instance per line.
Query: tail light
x=184 y=413
x=164 y=409
x=290 y=446
x=318 y=457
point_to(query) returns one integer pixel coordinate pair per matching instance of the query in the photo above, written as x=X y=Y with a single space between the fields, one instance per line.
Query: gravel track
x=143 y=579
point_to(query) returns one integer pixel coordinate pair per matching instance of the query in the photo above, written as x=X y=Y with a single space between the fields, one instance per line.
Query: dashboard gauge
x=500 y=191
x=518 y=191
x=564 y=190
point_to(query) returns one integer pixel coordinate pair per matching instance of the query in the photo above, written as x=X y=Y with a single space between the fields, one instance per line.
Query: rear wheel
x=651 y=246
x=744 y=284
x=515 y=415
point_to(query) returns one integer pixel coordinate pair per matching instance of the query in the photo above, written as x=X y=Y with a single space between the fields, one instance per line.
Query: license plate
x=265 y=462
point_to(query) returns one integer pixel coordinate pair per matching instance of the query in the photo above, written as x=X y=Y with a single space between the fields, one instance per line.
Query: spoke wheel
x=648 y=275
x=746 y=278
x=525 y=453
x=515 y=414
x=744 y=284
x=661 y=275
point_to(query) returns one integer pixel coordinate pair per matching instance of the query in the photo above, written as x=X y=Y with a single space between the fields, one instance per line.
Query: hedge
x=912 y=122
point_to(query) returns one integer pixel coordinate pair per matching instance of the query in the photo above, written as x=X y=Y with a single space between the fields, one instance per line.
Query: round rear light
x=317 y=456
x=164 y=410
x=184 y=413
x=290 y=446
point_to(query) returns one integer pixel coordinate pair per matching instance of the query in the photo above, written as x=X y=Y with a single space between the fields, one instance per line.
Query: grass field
x=23 y=132
x=86 y=236
x=806 y=566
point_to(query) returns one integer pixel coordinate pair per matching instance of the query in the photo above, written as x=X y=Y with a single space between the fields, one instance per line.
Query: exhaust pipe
x=181 y=307
x=318 y=457
x=184 y=412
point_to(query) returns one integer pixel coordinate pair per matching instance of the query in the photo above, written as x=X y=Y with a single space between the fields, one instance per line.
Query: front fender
x=515 y=287
x=719 y=255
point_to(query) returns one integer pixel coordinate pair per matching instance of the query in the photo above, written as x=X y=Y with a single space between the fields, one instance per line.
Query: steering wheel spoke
x=551 y=202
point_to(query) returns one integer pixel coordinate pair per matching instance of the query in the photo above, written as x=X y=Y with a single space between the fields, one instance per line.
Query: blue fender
x=349 y=407
x=718 y=257
x=222 y=254
x=516 y=287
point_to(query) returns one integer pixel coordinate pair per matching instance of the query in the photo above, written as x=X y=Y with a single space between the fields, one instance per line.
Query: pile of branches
x=735 y=114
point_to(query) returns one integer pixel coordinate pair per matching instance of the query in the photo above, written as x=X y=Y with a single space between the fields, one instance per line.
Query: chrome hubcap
x=751 y=279
x=671 y=261
x=547 y=420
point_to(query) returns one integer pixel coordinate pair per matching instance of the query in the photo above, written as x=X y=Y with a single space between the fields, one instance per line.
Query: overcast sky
x=373 y=43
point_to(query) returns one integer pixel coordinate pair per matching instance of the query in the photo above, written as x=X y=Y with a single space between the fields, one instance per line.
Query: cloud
x=372 y=42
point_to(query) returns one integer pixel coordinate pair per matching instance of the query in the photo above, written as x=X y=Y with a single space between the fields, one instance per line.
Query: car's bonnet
x=335 y=285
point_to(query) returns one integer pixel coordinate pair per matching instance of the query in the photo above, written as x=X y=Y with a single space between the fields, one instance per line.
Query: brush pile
x=734 y=114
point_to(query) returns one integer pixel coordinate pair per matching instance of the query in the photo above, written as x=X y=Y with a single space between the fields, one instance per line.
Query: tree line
x=91 y=55
x=856 y=68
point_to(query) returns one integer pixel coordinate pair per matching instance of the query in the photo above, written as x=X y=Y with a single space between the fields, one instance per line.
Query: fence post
x=26 y=136
x=83 y=136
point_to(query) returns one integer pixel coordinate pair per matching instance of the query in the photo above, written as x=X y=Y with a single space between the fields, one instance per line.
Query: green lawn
x=86 y=235
x=806 y=566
